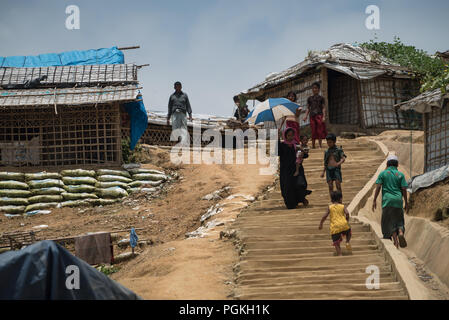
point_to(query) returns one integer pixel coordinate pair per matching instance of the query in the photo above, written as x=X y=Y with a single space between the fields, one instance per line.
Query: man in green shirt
x=393 y=185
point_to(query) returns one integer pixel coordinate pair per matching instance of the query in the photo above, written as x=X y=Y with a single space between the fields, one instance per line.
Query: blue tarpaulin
x=136 y=110
x=68 y=58
x=139 y=120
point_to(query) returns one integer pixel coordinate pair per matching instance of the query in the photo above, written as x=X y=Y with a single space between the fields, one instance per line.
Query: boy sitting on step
x=339 y=226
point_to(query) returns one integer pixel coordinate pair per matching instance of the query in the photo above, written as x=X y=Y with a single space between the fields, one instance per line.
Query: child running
x=333 y=159
x=339 y=226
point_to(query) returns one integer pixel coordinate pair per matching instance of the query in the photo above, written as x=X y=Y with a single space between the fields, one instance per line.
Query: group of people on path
x=293 y=150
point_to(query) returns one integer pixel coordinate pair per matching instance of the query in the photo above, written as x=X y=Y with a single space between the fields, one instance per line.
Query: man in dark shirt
x=242 y=112
x=178 y=107
x=317 y=111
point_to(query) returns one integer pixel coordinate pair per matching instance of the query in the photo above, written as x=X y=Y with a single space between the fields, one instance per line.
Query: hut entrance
x=343 y=99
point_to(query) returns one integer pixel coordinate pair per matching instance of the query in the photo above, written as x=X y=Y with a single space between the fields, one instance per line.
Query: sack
x=10 y=184
x=18 y=176
x=137 y=171
x=75 y=203
x=47 y=191
x=78 y=173
x=79 y=180
x=45 y=199
x=12 y=209
x=5 y=201
x=41 y=176
x=103 y=185
x=46 y=183
x=40 y=206
x=78 y=196
x=114 y=192
x=139 y=184
x=110 y=178
x=149 y=176
x=13 y=193
x=103 y=172
x=82 y=188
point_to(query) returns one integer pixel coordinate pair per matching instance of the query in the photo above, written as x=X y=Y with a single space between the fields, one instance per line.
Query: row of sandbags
x=27 y=192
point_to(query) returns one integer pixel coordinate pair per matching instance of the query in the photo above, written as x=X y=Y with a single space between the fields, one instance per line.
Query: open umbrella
x=272 y=109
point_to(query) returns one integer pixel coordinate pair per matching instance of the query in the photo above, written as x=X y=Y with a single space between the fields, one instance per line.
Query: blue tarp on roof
x=136 y=110
x=69 y=58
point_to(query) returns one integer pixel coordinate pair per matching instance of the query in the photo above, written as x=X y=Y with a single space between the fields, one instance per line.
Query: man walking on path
x=393 y=186
x=178 y=107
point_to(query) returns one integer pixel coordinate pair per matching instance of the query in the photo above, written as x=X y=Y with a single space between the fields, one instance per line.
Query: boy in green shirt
x=393 y=186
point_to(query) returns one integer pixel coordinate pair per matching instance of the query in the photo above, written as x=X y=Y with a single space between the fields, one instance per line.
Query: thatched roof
x=67 y=96
x=425 y=101
x=357 y=62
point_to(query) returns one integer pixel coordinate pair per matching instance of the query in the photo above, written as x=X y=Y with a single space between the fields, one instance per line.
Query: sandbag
x=143 y=190
x=78 y=173
x=103 y=172
x=47 y=191
x=82 y=188
x=45 y=198
x=42 y=176
x=12 y=209
x=141 y=183
x=128 y=166
x=79 y=180
x=102 y=202
x=137 y=171
x=110 y=178
x=17 y=176
x=40 y=206
x=5 y=201
x=75 y=203
x=102 y=184
x=78 y=196
x=114 y=192
x=12 y=184
x=46 y=183
x=13 y=193
x=149 y=176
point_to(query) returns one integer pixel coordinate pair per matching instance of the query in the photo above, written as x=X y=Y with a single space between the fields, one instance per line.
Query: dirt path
x=285 y=256
x=197 y=268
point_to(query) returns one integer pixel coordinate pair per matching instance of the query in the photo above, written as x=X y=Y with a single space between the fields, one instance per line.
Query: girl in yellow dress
x=339 y=226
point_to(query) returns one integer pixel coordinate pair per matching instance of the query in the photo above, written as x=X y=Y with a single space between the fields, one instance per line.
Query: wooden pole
x=129 y=48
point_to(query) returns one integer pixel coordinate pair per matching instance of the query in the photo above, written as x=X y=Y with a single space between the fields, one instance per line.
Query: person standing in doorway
x=178 y=107
x=317 y=111
x=393 y=185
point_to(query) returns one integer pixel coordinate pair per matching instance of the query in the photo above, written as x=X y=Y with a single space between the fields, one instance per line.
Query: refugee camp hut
x=158 y=132
x=434 y=105
x=359 y=86
x=64 y=115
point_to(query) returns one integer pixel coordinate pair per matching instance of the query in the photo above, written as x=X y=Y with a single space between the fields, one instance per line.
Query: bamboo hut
x=434 y=105
x=359 y=86
x=71 y=117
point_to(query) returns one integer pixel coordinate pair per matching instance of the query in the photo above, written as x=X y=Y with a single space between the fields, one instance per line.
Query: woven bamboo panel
x=83 y=75
x=437 y=138
x=77 y=135
x=378 y=98
x=343 y=99
x=67 y=96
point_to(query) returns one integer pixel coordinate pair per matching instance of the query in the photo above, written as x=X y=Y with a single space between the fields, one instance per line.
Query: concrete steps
x=285 y=256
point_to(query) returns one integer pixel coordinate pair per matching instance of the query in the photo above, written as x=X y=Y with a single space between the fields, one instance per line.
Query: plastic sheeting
x=139 y=120
x=428 y=179
x=69 y=58
x=44 y=271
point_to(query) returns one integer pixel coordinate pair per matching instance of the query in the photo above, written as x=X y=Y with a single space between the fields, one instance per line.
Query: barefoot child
x=333 y=159
x=317 y=111
x=339 y=217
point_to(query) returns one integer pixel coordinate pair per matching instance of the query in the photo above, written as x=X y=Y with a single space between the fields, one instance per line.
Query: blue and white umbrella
x=272 y=109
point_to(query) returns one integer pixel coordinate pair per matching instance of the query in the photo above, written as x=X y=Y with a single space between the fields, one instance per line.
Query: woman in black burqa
x=293 y=188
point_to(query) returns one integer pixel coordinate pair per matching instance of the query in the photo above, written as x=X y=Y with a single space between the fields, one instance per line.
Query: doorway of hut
x=343 y=99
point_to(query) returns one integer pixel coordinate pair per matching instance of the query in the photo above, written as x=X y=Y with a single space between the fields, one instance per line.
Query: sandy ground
x=428 y=242
x=198 y=268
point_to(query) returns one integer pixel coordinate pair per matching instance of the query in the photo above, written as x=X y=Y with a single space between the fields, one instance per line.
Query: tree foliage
x=432 y=72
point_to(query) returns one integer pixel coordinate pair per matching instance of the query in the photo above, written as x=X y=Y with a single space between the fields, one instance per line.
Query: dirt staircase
x=285 y=256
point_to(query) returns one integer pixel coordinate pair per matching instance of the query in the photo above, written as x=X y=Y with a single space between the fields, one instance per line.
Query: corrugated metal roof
x=67 y=96
x=357 y=62
x=425 y=101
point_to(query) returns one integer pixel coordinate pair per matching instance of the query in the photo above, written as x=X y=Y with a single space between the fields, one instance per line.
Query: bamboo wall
x=437 y=138
x=77 y=135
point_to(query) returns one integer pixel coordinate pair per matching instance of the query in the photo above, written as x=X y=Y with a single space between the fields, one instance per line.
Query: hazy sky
x=215 y=48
